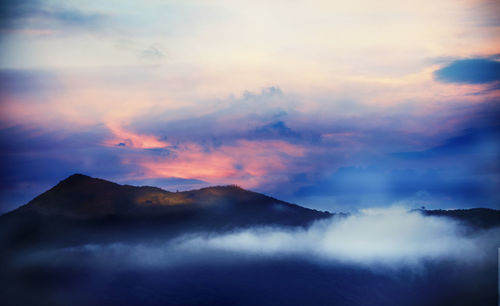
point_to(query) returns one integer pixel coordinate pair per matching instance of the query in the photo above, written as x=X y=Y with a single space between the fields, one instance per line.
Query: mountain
x=83 y=197
x=481 y=218
x=82 y=208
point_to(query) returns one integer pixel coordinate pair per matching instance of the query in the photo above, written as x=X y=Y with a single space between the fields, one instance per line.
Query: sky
x=334 y=105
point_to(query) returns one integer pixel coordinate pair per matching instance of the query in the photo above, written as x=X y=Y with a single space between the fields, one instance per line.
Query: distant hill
x=477 y=217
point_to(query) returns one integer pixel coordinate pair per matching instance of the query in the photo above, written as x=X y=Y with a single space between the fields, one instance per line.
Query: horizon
x=333 y=105
x=363 y=211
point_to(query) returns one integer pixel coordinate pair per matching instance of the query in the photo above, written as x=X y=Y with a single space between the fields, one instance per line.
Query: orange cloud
x=133 y=140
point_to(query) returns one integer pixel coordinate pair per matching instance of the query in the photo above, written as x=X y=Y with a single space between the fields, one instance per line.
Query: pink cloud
x=246 y=163
x=133 y=140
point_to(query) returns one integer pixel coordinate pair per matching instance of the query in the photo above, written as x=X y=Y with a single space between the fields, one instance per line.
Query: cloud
x=153 y=53
x=246 y=163
x=488 y=90
x=470 y=71
x=248 y=140
x=267 y=92
x=126 y=138
x=34 y=16
x=277 y=129
x=480 y=141
x=33 y=160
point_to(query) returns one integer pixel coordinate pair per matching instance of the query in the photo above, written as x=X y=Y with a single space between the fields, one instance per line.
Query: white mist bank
x=392 y=238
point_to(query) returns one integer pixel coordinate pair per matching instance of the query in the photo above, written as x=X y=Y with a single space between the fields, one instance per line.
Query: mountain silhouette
x=83 y=197
x=82 y=208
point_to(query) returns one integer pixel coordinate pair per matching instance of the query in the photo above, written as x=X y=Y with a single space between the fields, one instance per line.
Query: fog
x=371 y=237
x=391 y=238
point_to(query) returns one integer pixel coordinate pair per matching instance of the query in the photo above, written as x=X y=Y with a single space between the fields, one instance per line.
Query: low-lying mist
x=370 y=237
x=390 y=238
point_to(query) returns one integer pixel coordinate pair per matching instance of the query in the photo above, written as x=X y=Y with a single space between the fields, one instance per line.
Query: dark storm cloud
x=470 y=71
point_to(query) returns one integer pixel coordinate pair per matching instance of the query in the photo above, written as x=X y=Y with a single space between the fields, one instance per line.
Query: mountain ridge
x=82 y=209
x=82 y=196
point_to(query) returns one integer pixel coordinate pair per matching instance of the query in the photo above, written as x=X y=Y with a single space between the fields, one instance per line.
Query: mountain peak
x=79 y=178
x=84 y=197
x=76 y=178
x=81 y=183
